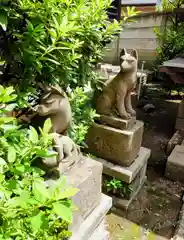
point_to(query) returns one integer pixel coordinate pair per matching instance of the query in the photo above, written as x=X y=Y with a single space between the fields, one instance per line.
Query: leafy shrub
x=116 y=186
x=170 y=39
x=29 y=208
x=83 y=114
x=54 y=41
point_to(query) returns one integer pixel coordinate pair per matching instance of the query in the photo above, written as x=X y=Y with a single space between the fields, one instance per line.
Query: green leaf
x=11 y=154
x=20 y=168
x=33 y=135
x=3 y=19
x=63 y=211
x=2 y=177
x=67 y=193
x=38 y=221
x=47 y=126
x=40 y=191
x=30 y=26
x=2 y=161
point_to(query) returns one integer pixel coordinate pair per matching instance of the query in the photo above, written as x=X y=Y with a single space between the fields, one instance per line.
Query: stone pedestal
x=135 y=175
x=116 y=145
x=175 y=164
x=86 y=175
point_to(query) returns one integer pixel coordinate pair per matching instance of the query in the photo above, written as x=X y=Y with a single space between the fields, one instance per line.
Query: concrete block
x=87 y=176
x=126 y=174
x=175 y=140
x=100 y=233
x=123 y=203
x=179 y=232
x=137 y=182
x=118 y=146
x=86 y=173
x=175 y=164
x=179 y=124
x=116 y=122
x=181 y=109
x=84 y=230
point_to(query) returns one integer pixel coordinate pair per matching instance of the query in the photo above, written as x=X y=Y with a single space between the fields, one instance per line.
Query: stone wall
x=139 y=35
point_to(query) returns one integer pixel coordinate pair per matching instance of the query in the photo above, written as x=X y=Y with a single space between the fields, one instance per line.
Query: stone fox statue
x=55 y=105
x=116 y=94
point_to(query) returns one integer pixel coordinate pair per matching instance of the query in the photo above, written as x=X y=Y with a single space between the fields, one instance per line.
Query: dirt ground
x=156 y=208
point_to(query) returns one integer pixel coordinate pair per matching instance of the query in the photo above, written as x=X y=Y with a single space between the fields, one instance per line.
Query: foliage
x=54 y=41
x=129 y=12
x=29 y=207
x=170 y=38
x=82 y=112
x=117 y=187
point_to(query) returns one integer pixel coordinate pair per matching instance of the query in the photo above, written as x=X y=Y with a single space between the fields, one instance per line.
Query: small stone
x=149 y=108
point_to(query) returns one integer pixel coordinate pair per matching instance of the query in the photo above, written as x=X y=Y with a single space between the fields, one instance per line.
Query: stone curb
x=179 y=232
x=93 y=220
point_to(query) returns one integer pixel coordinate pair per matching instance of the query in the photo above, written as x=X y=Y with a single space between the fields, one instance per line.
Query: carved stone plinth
x=92 y=205
x=134 y=175
x=175 y=164
x=115 y=145
x=116 y=122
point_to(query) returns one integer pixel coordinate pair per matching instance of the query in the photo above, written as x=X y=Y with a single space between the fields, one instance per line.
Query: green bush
x=29 y=208
x=170 y=38
x=54 y=41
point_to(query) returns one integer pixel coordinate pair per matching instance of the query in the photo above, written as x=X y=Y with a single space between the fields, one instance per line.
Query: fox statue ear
x=123 y=52
x=134 y=54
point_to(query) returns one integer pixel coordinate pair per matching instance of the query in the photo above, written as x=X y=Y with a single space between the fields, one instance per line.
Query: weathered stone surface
x=84 y=174
x=87 y=176
x=116 y=122
x=175 y=140
x=181 y=110
x=179 y=123
x=126 y=174
x=182 y=142
x=118 y=146
x=83 y=231
x=125 y=203
x=179 y=232
x=137 y=182
x=100 y=233
x=175 y=164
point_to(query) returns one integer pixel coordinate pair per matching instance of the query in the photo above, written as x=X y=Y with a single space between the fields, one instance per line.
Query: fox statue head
x=128 y=62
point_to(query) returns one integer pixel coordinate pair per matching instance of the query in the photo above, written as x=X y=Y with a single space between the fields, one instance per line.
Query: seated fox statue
x=115 y=98
x=55 y=105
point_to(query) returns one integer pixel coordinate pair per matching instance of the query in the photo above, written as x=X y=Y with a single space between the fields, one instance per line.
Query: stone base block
x=127 y=174
x=175 y=164
x=135 y=176
x=179 y=232
x=100 y=232
x=87 y=176
x=115 y=145
x=91 y=223
x=116 y=122
x=123 y=203
x=175 y=140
